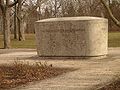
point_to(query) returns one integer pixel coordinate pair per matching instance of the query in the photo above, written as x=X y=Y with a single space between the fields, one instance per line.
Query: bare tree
x=53 y=7
x=15 y=21
x=117 y=22
x=70 y=10
x=88 y=7
x=47 y=13
x=20 y=21
x=23 y=14
x=5 y=6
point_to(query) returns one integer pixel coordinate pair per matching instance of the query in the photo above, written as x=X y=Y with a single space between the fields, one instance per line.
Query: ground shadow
x=7 y=51
x=36 y=57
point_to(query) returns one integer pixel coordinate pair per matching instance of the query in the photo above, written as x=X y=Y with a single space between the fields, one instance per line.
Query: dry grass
x=20 y=73
x=112 y=86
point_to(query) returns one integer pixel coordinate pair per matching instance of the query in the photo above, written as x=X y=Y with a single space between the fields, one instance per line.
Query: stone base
x=72 y=36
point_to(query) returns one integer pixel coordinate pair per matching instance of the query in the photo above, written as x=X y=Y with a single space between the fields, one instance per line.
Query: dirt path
x=90 y=74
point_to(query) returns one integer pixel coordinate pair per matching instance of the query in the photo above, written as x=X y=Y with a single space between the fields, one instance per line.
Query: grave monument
x=72 y=36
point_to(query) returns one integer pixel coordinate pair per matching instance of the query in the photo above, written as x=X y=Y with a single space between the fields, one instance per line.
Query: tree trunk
x=6 y=28
x=15 y=23
x=5 y=7
x=21 y=30
x=20 y=23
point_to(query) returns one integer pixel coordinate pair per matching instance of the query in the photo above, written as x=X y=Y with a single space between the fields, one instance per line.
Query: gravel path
x=90 y=74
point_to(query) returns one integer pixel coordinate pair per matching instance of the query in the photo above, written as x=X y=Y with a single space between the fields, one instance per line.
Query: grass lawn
x=114 y=41
x=28 y=43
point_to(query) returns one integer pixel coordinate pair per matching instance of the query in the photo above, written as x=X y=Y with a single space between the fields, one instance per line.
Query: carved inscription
x=68 y=31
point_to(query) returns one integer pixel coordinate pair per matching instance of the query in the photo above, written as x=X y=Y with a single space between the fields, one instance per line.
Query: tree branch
x=1 y=6
x=95 y=7
x=11 y=5
x=110 y=13
x=37 y=5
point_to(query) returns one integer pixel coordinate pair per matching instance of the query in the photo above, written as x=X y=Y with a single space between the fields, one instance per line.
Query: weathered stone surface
x=72 y=36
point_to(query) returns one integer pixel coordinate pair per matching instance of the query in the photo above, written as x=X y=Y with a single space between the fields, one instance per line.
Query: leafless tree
x=117 y=22
x=5 y=6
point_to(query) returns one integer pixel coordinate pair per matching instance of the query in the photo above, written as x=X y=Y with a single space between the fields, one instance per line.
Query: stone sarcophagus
x=72 y=36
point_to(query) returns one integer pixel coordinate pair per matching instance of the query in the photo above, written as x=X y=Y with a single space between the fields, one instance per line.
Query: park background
x=22 y=16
